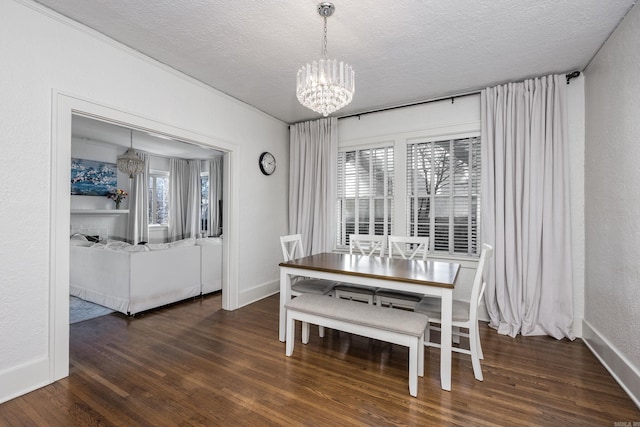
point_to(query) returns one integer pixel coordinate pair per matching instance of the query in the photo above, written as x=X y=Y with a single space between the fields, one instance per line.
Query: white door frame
x=63 y=108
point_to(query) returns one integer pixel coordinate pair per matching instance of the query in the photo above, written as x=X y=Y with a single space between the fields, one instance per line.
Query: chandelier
x=129 y=162
x=327 y=85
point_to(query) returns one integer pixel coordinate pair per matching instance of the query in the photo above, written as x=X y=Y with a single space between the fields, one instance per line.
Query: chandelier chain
x=324 y=40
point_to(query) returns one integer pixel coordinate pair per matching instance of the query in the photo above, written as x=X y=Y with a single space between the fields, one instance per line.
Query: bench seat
x=386 y=324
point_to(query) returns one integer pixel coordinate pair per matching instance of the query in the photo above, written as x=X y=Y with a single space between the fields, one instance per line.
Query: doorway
x=65 y=107
x=140 y=217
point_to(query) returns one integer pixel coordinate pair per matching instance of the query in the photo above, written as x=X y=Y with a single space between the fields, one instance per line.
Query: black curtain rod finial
x=572 y=75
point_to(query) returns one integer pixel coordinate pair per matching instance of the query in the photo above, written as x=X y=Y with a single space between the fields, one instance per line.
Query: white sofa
x=210 y=264
x=131 y=279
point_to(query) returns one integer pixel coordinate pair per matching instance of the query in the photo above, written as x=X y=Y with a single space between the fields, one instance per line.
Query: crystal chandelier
x=327 y=85
x=129 y=162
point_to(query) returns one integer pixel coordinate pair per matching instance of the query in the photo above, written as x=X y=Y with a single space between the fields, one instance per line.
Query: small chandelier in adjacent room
x=325 y=86
x=129 y=162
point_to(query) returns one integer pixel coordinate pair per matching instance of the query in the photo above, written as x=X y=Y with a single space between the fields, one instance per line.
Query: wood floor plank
x=194 y=364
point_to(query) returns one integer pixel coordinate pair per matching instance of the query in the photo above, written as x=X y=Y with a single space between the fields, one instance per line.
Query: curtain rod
x=569 y=76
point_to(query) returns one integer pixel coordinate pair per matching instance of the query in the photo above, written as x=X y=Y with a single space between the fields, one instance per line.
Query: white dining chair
x=292 y=249
x=406 y=247
x=464 y=315
x=362 y=244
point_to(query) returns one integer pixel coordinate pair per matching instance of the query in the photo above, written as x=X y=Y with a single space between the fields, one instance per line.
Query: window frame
x=387 y=196
x=153 y=175
x=400 y=141
x=208 y=203
x=473 y=245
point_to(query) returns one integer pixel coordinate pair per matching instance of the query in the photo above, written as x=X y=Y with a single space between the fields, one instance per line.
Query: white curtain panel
x=184 y=197
x=215 y=195
x=313 y=154
x=138 y=224
x=192 y=213
x=525 y=207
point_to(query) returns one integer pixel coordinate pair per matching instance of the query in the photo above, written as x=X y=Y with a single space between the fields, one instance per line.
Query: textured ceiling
x=402 y=51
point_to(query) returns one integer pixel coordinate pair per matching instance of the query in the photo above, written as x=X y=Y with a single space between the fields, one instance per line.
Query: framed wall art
x=93 y=178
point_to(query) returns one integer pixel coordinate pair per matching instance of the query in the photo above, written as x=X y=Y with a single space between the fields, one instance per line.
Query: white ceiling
x=402 y=51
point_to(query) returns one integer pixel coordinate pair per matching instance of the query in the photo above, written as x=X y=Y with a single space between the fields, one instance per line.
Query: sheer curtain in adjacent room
x=138 y=224
x=184 y=199
x=214 y=168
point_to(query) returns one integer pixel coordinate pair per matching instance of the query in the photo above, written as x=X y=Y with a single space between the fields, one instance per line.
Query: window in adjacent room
x=365 y=193
x=443 y=194
x=158 y=198
x=204 y=203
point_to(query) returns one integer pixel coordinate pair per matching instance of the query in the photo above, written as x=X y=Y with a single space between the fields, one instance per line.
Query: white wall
x=462 y=117
x=612 y=204
x=115 y=221
x=43 y=55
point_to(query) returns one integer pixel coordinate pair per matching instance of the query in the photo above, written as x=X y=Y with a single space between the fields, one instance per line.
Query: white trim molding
x=64 y=106
x=23 y=379
x=620 y=368
x=264 y=290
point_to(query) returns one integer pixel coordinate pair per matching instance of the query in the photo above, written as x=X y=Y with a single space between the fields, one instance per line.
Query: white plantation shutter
x=365 y=193
x=443 y=194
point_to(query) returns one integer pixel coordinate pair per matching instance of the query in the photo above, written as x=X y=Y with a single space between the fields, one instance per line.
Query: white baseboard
x=577 y=326
x=257 y=293
x=24 y=378
x=620 y=368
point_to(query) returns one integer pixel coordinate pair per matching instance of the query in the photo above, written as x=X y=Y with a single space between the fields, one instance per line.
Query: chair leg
x=427 y=335
x=455 y=333
x=475 y=360
x=480 y=354
x=421 y=356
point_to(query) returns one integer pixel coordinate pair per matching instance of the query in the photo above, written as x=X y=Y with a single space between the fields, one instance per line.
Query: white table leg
x=445 y=339
x=285 y=297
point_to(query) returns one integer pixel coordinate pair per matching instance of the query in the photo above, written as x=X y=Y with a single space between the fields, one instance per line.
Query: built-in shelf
x=99 y=211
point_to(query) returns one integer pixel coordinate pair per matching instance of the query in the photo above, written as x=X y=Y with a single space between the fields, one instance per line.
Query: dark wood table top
x=433 y=273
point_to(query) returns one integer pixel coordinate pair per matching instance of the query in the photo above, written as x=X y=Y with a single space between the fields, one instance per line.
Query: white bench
x=386 y=324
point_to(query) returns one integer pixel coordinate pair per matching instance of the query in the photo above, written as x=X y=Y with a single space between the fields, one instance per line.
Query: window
x=443 y=194
x=365 y=193
x=204 y=203
x=158 y=199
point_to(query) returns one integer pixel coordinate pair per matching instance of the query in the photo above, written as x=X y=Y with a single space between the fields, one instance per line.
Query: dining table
x=431 y=278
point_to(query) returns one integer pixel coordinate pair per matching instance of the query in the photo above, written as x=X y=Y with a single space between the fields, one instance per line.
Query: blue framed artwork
x=93 y=178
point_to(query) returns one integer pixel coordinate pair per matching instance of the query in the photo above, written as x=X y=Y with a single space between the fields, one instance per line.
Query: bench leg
x=291 y=334
x=305 y=332
x=413 y=369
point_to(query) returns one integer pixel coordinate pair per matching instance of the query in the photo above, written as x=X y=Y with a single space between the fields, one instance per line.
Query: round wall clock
x=267 y=163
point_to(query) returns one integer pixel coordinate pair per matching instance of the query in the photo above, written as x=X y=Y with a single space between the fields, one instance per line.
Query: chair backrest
x=479 y=282
x=367 y=244
x=290 y=245
x=409 y=247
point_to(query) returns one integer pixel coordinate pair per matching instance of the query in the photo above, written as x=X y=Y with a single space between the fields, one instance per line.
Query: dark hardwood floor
x=194 y=364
